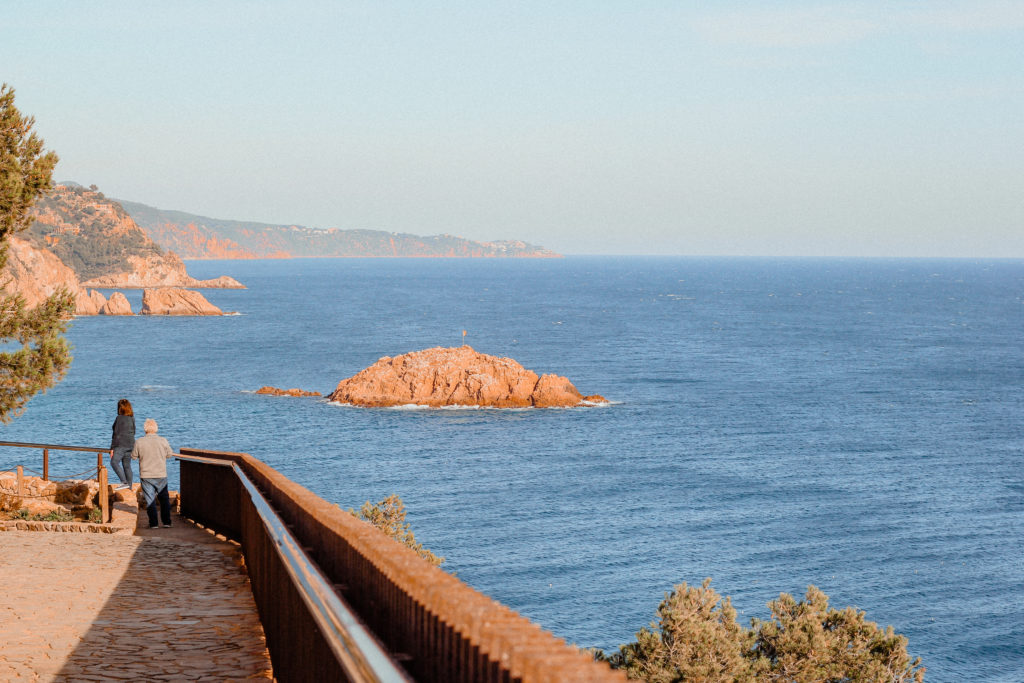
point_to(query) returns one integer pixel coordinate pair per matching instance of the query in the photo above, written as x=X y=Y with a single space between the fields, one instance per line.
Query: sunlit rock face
x=456 y=377
x=36 y=273
x=174 y=301
x=117 y=304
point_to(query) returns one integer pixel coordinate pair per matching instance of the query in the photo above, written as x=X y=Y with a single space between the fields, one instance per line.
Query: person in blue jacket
x=122 y=442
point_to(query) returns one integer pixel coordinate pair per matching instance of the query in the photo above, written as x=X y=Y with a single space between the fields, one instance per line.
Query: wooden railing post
x=104 y=494
x=101 y=470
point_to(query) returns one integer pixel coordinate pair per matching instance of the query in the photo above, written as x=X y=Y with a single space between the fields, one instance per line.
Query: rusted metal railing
x=436 y=626
x=101 y=470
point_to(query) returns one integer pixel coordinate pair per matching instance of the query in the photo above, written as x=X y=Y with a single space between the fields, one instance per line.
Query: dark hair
x=124 y=407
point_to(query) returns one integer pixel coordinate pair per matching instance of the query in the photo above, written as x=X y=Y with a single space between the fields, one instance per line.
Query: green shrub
x=696 y=638
x=389 y=516
x=51 y=516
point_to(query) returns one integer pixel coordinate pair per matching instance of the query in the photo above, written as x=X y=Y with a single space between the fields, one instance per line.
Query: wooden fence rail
x=101 y=470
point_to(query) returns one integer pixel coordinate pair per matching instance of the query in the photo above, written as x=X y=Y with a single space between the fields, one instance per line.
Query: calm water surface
x=855 y=425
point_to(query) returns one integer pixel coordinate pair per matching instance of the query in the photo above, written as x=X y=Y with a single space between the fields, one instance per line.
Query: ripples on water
x=850 y=424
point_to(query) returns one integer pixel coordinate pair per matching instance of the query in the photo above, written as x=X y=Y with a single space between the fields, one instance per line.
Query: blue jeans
x=121 y=461
x=156 y=490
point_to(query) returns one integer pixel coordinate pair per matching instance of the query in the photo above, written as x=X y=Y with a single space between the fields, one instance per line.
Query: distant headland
x=200 y=237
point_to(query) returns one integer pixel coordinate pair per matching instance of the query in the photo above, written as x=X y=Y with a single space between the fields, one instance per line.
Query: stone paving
x=162 y=605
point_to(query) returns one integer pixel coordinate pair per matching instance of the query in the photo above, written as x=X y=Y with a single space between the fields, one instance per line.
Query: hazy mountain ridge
x=198 y=237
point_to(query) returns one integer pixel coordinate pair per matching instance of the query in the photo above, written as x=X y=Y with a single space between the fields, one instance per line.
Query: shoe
x=122 y=486
x=153 y=526
x=167 y=526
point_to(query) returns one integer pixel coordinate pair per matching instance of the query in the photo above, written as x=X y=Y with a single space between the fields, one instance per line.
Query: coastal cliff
x=78 y=234
x=456 y=377
x=96 y=238
x=35 y=274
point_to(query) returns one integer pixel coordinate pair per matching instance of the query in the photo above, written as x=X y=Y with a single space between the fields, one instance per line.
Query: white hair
x=150 y=426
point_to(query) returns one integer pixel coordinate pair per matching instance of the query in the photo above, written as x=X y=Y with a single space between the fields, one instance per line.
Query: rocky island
x=274 y=391
x=457 y=377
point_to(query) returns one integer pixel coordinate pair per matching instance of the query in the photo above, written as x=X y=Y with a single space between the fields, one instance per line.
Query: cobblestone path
x=163 y=605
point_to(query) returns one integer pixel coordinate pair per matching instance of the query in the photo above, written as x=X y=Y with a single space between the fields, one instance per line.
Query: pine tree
x=36 y=355
x=696 y=638
x=811 y=641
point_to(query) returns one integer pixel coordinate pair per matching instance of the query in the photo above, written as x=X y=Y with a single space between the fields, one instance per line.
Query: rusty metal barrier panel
x=210 y=495
x=439 y=628
x=311 y=634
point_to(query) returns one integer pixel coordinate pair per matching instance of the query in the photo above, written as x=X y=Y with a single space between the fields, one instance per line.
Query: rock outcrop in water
x=456 y=376
x=274 y=391
x=174 y=301
x=90 y=303
x=117 y=304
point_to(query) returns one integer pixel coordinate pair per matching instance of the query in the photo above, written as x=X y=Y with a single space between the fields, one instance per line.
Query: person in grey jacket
x=121 y=443
x=152 y=452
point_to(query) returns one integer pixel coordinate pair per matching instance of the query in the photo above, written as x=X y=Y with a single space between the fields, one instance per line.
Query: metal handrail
x=356 y=649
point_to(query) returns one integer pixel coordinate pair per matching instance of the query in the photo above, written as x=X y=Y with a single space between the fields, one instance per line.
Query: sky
x=590 y=127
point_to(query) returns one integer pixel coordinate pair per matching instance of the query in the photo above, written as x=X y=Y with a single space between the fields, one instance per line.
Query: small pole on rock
x=46 y=464
x=21 y=477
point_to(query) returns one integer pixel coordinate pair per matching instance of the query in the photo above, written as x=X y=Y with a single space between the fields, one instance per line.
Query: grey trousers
x=121 y=461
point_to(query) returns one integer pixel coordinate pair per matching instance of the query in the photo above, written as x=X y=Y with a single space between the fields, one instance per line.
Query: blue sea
x=857 y=425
